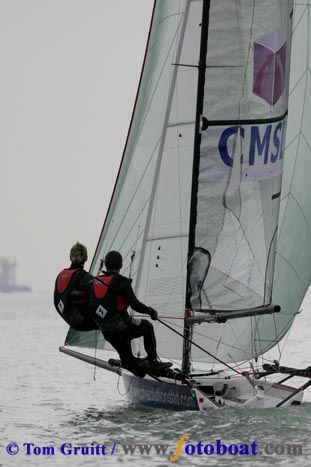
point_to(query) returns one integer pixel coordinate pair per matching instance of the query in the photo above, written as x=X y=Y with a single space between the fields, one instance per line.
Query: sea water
x=58 y=411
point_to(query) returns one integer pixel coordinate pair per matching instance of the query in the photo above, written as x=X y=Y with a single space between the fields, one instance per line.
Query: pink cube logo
x=270 y=67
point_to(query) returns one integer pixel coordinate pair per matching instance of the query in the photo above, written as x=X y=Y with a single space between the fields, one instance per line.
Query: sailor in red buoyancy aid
x=110 y=296
x=71 y=298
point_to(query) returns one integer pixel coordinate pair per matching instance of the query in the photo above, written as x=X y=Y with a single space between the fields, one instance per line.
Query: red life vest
x=64 y=278
x=107 y=306
x=66 y=297
x=102 y=286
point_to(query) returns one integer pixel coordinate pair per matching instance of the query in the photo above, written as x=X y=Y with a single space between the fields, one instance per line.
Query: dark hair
x=113 y=261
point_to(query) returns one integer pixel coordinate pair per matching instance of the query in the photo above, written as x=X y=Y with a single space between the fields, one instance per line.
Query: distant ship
x=8 y=279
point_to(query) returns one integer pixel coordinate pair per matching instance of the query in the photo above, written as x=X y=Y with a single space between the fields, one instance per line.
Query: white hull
x=209 y=392
x=215 y=391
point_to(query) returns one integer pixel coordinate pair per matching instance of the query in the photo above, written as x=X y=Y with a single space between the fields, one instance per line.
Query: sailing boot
x=157 y=367
x=135 y=368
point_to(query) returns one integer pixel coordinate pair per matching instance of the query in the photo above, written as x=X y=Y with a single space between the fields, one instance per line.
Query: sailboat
x=210 y=209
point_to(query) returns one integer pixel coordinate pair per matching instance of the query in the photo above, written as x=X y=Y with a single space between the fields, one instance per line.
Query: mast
x=195 y=172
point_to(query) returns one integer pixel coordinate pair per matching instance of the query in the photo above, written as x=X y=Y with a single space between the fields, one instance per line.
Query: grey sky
x=69 y=75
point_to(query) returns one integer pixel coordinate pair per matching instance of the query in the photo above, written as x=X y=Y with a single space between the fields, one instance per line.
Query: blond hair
x=78 y=254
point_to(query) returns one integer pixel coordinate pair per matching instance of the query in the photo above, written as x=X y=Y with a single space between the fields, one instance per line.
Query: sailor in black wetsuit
x=110 y=296
x=71 y=298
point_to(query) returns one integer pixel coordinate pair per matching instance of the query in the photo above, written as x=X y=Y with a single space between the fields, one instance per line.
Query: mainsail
x=238 y=173
x=199 y=211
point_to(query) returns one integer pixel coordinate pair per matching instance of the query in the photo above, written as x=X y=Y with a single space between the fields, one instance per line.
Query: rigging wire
x=231 y=346
x=276 y=335
x=196 y=345
x=240 y=365
x=101 y=263
x=95 y=355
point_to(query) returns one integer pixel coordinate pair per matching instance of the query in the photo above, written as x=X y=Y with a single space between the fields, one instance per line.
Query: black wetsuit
x=118 y=295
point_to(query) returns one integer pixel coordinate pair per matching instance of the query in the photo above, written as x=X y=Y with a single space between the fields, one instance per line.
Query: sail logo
x=248 y=152
x=270 y=67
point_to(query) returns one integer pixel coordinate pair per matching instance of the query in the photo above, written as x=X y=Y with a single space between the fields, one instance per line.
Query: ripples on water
x=48 y=398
